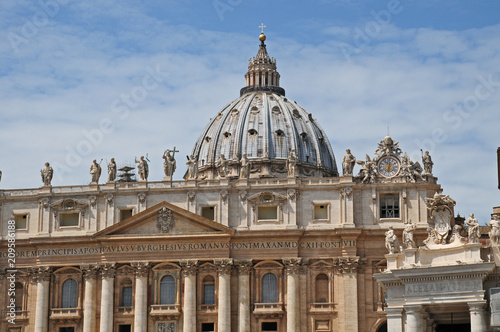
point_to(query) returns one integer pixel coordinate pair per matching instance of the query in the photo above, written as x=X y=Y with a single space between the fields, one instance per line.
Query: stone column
x=348 y=268
x=414 y=321
x=477 y=316
x=292 y=300
x=303 y=295
x=244 y=268
x=108 y=278
x=141 y=296
x=394 y=319
x=224 y=299
x=41 y=275
x=90 y=274
x=189 y=268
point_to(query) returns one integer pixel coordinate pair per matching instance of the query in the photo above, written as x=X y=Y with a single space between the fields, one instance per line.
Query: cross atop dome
x=262 y=26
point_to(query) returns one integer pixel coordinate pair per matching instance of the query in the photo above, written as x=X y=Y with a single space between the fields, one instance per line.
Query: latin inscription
x=443 y=287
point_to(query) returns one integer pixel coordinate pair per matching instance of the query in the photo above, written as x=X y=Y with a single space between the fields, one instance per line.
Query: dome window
x=296 y=114
x=276 y=110
x=303 y=135
x=227 y=134
x=235 y=112
x=252 y=132
x=280 y=133
x=207 y=139
x=254 y=110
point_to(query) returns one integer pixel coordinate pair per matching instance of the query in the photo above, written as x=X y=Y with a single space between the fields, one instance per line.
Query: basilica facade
x=263 y=234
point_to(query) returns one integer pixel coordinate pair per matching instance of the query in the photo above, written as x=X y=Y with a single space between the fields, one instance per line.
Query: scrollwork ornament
x=92 y=200
x=141 y=197
x=293 y=265
x=347 y=264
x=223 y=195
x=191 y=195
x=109 y=199
x=244 y=266
x=224 y=266
x=189 y=267
x=108 y=270
x=243 y=195
x=89 y=270
x=141 y=269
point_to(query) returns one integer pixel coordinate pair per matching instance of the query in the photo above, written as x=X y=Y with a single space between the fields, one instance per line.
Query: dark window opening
x=207 y=327
x=269 y=326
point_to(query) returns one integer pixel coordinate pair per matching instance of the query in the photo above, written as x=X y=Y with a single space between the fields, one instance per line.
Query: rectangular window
x=320 y=211
x=21 y=221
x=208 y=212
x=269 y=326
x=209 y=294
x=207 y=327
x=389 y=206
x=69 y=219
x=268 y=213
x=127 y=296
x=124 y=328
x=66 y=329
x=125 y=214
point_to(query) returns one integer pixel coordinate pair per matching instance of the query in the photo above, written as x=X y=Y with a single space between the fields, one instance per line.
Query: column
x=90 y=274
x=348 y=268
x=414 y=321
x=292 y=303
x=394 y=319
x=224 y=267
x=141 y=296
x=189 y=268
x=477 y=316
x=42 y=278
x=244 y=268
x=303 y=295
x=108 y=278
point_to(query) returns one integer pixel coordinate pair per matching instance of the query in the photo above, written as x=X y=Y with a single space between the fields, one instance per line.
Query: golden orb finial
x=262 y=37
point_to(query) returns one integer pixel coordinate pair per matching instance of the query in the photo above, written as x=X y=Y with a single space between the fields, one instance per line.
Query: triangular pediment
x=165 y=219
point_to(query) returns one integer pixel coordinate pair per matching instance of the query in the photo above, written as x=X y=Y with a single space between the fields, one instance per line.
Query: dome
x=262 y=133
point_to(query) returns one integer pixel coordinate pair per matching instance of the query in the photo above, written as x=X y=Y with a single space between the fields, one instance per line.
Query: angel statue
x=367 y=172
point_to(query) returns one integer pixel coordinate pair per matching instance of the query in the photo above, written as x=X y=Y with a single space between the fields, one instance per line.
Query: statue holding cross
x=169 y=165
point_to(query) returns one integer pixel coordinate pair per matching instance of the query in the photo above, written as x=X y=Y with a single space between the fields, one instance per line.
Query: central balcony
x=165 y=310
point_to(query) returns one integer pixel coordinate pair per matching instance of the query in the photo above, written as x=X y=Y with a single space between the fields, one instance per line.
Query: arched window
x=69 y=294
x=209 y=290
x=269 y=288
x=19 y=296
x=167 y=290
x=126 y=293
x=321 y=288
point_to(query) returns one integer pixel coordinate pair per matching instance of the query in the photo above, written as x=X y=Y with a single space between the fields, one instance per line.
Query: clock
x=388 y=166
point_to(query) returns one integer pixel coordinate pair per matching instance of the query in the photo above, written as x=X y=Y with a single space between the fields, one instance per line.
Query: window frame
x=382 y=199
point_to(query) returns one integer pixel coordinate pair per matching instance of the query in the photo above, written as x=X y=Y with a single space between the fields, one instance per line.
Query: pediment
x=165 y=219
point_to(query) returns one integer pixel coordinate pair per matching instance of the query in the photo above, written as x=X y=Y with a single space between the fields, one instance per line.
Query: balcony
x=126 y=311
x=208 y=308
x=66 y=314
x=268 y=309
x=322 y=307
x=165 y=310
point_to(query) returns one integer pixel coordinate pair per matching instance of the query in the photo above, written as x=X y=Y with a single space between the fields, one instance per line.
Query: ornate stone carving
x=245 y=167
x=348 y=163
x=40 y=273
x=427 y=161
x=244 y=266
x=89 y=270
x=494 y=232
x=346 y=192
x=44 y=203
x=347 y=264
x=192 y=168
x=388 y=146
x=112 y=170
x=141 y=197
x=47 y=174
x=109 y=198
x=367 y=173
x=141 y=269
x=165 y=220
x=292 y=193
x=221 y=165
x=291 y=164
x=169 y=165
x=391 y=241
x=410 y=170
x=92 y=200
x=142 y=168
x=108 y=270
x=473 y=229
x=224 y=265
x=191 y=195
x=223 y=195
x=189 y=267
x=292 y=264
x=95 y=172
x=243 y=195
x=69 y=204
x=440 y=209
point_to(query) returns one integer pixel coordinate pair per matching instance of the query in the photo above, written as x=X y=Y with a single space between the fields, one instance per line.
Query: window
x=209 y=290
x=269 y=326
x=69 y=219
x=269 y=288
x=321 y=211
x=268 y=213
x=389 y=206
x=66 y=329
x=69 y=294
x=127 y=296
x=321 y=288
x=124 y=328
x=21 y=221
x=125 y=214
x=207 y=327
x=167 y=290
x=208 y=212
x=19 y=296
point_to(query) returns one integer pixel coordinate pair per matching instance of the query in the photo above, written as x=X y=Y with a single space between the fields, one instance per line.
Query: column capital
x=40 y=273
x=189 y=267
x=477 y=307
x=414 y=309
x=108 y=270
x=292 y=264
x=224 y=265
x=244 y=266
x=90 y=270
x=141 y=269
x=347 y=264
x=394 y=311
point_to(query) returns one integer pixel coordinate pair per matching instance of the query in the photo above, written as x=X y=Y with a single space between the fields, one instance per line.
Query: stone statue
x=192 y=167
x=473 y=230
x=427 y=161
x=245 y=167
x=367 y=172
x=169 y=165
x=391 y=241
x=112 y=170
x=95 y=171
x=408 y=235
x=47 y=174
x=291 y=164
x=142 y=168
x=222 y=166
x=388 y=146
x=412 y=171
x=494 y=232
x=348 y=163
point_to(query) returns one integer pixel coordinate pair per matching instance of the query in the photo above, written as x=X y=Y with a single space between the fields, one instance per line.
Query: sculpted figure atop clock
x=388 y=166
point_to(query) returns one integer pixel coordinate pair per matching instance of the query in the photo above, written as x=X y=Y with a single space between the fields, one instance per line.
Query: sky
x=84 y=80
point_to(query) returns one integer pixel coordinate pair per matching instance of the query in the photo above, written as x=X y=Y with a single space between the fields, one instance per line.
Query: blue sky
x=427 y=69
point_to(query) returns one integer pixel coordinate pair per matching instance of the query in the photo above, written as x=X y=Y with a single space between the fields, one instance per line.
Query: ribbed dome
x=263 y=133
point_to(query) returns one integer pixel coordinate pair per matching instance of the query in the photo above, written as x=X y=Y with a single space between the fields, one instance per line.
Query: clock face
x=388 y=167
